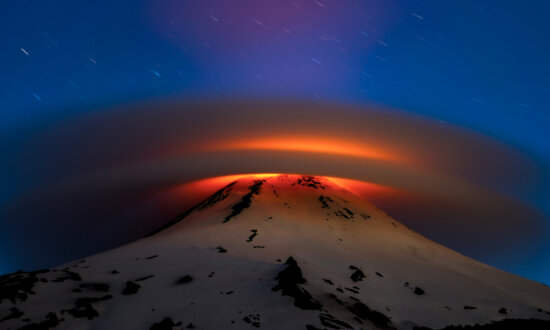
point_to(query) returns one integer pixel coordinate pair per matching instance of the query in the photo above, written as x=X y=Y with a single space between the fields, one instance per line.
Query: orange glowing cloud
x=139 y=164
x=310 y=144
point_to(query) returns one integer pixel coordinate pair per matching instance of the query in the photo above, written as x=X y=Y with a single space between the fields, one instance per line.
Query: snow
x=289 y=220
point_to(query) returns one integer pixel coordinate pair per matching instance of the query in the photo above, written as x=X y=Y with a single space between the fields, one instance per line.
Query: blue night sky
x=480 y=65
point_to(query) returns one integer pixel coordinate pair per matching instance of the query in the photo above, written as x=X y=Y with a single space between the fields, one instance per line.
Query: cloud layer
x=101 y=179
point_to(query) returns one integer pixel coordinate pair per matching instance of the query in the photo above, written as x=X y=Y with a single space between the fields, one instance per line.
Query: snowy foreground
x=283 y=252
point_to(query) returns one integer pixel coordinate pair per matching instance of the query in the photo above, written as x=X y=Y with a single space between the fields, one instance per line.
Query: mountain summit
x=277 y=252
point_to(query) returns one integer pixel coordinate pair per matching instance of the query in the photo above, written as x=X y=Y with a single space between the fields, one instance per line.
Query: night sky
x=96 y=93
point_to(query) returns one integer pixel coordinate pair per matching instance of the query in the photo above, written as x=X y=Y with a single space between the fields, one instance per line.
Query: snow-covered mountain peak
x=275 y=252
x=319 y=199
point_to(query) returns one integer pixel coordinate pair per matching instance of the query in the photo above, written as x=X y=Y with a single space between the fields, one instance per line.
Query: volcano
x=278 y=252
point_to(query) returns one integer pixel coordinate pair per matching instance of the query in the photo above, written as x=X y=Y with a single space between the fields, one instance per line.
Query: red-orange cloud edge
x=204 y=187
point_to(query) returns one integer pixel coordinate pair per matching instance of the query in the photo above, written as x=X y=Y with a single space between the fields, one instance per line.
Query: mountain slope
x=282 y=252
